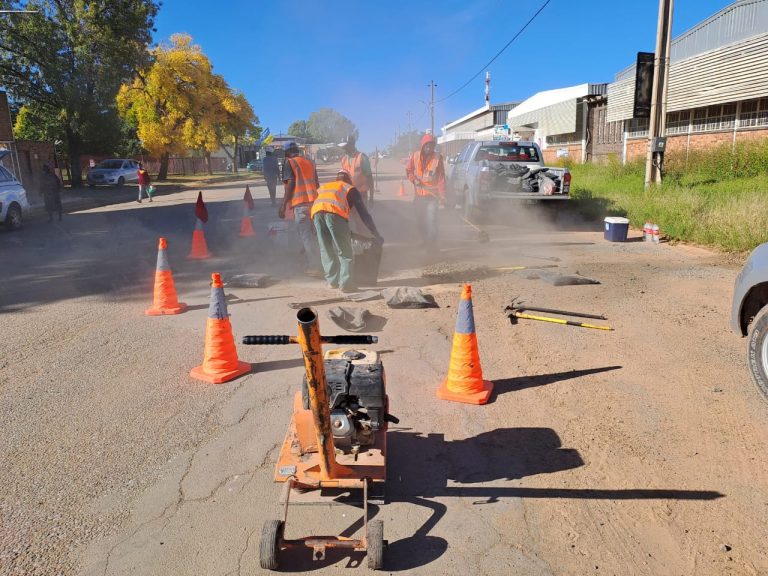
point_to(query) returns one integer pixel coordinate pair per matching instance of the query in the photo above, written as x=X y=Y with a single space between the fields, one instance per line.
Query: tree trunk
x=73 y=146
x=208 y=163
x=163 y=174
x=236 y=158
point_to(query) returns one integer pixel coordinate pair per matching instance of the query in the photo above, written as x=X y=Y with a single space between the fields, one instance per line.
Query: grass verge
x=713 y=200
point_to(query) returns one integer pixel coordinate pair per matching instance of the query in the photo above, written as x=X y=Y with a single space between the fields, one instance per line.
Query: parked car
x=113 y=172
x=13 y=198
x=255 y=165
x=486 y=171
x=749 y=314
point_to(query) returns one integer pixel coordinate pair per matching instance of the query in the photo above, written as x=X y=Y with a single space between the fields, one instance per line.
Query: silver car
x=13 y=198
x=749 y=314
x=114 y=172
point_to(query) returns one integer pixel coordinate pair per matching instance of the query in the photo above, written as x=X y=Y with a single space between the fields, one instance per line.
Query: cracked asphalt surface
x=631 y=452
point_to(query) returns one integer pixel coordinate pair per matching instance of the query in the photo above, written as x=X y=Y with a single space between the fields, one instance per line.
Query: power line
x=499 y=53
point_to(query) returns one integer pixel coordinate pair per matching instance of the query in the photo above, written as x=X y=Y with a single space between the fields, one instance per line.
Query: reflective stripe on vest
x=304 y=175
x=332 y=197
x=427 y=176
x=355 y=169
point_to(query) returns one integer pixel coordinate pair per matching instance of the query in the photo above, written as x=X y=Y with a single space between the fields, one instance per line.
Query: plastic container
x=655 y=233
x=647 y=231
x=616 y=229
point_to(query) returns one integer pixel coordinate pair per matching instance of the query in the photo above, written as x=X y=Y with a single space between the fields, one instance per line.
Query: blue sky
x=372 y=60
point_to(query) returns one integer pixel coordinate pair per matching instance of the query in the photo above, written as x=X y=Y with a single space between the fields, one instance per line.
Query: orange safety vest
x=355 y=169
x=304 y=173
x=332 y=197
x=427 y=175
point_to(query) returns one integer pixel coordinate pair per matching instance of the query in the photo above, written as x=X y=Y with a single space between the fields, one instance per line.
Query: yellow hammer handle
x=560 y=321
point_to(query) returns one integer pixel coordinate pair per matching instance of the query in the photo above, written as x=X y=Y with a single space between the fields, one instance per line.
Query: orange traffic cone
x=401 y=192
x=165 y=300
x=220 y=363
x=246 y=227
x=199 y=249
x=465 y=375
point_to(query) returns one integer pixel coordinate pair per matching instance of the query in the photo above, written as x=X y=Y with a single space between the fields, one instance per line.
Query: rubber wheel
x=120 y=182
x=269 y=547
x=13 y=219
x=375 y=548
x=757 y=351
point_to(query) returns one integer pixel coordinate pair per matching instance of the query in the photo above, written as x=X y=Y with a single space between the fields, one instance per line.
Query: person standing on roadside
x=51 y=187
x=144 y=182
x=301 y=184
x=271 y=172
x=359 y=166
x=330 y=213
x=426 y=171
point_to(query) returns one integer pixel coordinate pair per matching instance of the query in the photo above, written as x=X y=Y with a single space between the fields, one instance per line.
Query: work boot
x=139 y=200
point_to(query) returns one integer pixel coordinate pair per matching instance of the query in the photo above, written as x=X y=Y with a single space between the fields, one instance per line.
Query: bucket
x=366 y=260
x=616 y=229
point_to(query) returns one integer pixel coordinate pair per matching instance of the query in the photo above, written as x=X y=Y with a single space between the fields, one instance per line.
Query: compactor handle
x=279 y=340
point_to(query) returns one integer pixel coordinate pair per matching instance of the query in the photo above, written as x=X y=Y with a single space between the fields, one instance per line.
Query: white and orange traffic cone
x=165 y=300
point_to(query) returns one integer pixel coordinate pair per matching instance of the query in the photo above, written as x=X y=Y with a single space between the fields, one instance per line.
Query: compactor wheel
x=375 y=548
x=269 y=547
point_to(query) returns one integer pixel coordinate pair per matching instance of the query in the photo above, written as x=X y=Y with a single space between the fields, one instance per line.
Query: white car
x=114 y=172
x=13 y=198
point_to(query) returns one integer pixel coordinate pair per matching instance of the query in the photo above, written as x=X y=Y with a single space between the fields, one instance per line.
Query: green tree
x=327 y=125
x=300 y=129
x=66 y=64
x=407 y=143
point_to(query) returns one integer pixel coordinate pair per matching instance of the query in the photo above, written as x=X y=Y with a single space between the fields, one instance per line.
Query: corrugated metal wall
x=735 y=72
x=558 y=118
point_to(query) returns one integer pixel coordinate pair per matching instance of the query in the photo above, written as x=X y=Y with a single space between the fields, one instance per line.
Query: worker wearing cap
x=330 y=213
x=301 y=184
x=426 y=171
x=359 y=166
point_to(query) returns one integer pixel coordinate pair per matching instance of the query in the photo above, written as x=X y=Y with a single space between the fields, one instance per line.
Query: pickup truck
x=491 y=170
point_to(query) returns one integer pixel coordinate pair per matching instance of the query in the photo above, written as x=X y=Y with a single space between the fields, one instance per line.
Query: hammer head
x=510 y=310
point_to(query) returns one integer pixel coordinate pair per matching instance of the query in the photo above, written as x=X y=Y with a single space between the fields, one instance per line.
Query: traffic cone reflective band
x=199 y=249
x=246 y=227
x=465 y=375
x=165 y=300
x=401 y=192
x=220 y=363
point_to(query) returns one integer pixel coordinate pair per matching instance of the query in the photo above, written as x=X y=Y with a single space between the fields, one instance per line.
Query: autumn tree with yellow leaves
x=178 y=104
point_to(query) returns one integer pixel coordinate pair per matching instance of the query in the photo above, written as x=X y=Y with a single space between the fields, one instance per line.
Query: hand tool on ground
x=521 y=306
x=482 y=235
x=336 y=442
x=513 y=315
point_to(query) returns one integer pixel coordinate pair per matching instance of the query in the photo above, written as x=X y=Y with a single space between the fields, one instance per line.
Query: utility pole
x=658 y=121
x=409 y=130
x=432 y=85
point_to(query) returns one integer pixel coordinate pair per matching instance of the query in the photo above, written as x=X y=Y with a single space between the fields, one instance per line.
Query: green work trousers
x=335 y=240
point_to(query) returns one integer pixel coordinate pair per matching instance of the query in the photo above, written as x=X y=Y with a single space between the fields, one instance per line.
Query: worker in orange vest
x=359 y=166
x=426 y=171
x=330 y=213
x=301 y=184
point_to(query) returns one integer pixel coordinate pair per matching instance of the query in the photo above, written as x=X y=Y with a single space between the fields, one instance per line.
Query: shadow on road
x=505 y=385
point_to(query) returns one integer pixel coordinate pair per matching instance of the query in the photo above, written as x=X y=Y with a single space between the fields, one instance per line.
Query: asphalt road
x=637 y=451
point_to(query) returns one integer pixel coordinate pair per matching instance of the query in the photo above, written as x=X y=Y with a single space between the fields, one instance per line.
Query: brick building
x=718 y=85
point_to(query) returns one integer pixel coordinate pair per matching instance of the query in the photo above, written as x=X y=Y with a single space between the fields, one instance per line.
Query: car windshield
x=507 y=152
x=110 y=164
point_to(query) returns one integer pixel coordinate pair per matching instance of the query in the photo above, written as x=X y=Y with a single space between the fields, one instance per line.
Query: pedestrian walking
x=144 y=183
x=271 y=173
x=425 y=169
x=301 y=184
x=51 y=188
x=330 y=214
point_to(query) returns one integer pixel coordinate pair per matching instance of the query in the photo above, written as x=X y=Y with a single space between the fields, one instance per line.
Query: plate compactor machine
x=336 y=441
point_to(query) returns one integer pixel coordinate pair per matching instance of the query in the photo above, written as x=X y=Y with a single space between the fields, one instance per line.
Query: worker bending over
x=426 y=171
x=330 y=213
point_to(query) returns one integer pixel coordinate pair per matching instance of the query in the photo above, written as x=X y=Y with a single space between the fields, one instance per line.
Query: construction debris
x=249 y=280
x=349 y=318
x=408 y=298
x=461 y=271
x=561 y=279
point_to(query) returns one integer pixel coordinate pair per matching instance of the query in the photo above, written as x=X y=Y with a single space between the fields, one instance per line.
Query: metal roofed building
x=476 y=125
x=557 y=120
x=718 y=84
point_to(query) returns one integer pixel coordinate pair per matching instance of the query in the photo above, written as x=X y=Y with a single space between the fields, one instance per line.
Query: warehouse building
x=718 y=85
x=477 y=125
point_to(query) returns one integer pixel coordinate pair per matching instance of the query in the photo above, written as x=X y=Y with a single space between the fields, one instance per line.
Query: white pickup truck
x=491 y=170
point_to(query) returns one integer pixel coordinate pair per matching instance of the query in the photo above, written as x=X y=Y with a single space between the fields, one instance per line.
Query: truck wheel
x=269 y=547
x=13 y=218
x=757 y=351
x=375 y=548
